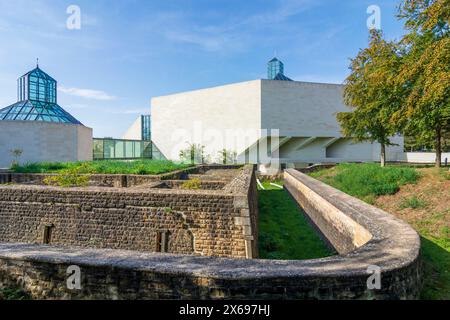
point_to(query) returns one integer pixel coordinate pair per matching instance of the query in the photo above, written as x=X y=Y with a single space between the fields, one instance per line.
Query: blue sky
x=128 y=51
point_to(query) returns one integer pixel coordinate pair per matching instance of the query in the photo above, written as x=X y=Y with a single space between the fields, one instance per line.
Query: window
x=162 y=241
x=47 y=236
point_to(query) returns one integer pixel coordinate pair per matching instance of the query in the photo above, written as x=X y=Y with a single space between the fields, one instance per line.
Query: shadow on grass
x=284 y=231
x=436 y=276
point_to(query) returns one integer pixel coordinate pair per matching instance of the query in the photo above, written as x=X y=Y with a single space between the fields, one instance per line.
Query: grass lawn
x=421 y=198
x=284 y=232
x=103 y=167
x=367 y=181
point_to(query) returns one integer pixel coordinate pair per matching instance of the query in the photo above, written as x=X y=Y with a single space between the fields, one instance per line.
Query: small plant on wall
x=16 y=154
x=71 y=177
x=193 y=184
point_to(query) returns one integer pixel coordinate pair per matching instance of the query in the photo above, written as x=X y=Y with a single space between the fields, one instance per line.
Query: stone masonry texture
x=363 y=235
x=202 y=222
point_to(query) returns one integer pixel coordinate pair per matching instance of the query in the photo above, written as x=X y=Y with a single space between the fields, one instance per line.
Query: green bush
x=73 y=177
x=367 y=180
x=192 y=184
x=140 y=167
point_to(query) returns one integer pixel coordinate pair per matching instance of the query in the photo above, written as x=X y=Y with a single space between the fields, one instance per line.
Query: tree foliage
x=403 y=86
x=370 y=90
x=425 y=72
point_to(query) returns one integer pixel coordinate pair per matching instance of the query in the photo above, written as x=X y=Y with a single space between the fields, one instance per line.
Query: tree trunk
x=438 y=146
x=383 y=155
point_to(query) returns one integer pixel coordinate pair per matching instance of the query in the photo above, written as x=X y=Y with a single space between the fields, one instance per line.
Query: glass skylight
x=37 y=100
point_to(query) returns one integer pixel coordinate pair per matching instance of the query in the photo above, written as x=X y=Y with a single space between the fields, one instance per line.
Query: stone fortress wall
x=143 y=213
x=366 y=238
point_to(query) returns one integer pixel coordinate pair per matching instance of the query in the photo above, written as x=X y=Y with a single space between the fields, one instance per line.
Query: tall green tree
x=425 y=72
x=371 y=92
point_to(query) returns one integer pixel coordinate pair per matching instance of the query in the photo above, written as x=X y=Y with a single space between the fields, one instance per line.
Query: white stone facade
x=44 y=141
x=135 y=131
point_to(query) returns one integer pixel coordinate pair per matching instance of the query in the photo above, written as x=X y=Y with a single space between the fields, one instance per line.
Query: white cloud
x=206 y=41
x=137 y=111
x=287 y=9
x=87 y=93
x=131 y=111
x=232 y=34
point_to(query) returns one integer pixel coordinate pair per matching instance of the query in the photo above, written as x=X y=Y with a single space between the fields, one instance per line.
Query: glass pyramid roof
x=275 y=70
x=281 y=77
x=36 y=95
x=30 y=110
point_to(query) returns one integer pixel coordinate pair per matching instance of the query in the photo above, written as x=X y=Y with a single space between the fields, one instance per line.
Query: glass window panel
x=137 y=150
x=98 y=149
x=120 y=149
x=129 y=149
x=109 y=146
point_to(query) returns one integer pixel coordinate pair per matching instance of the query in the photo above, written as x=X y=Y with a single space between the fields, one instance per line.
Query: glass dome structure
x=275 y=70
x=37 y=100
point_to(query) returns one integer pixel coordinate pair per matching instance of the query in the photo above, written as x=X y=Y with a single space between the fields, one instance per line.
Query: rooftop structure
x=37 y=100
x=38 y=127
x=275 y=70
x=264 y=122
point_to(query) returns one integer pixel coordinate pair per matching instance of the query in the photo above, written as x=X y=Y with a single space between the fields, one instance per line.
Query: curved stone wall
x=365 y=237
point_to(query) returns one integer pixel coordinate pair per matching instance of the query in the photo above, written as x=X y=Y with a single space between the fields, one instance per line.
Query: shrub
x=363 y=180
x=73 y=177
x=16 y=154
x=140 y=167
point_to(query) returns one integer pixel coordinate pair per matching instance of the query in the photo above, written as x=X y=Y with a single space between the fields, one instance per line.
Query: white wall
x=298 y=110
x=210 y=117
x=44 y=141
x=302 y=109
x=425 y=157
x=85 y=144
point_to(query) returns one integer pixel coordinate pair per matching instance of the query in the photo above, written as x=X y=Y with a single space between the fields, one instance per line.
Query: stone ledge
x=41 y=271
x=383 y=234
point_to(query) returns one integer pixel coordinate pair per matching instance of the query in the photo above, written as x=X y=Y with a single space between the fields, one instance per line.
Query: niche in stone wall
x=47 y=233
x=171 y=232
x=162 y=241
